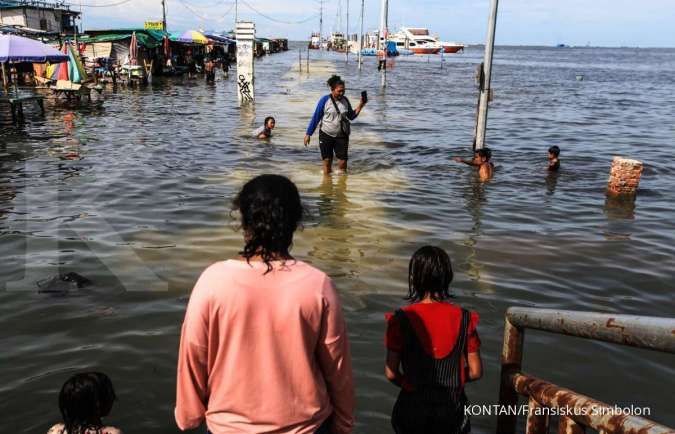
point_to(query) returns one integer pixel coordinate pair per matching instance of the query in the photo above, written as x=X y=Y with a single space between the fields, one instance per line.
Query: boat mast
x=481 y=120
x=360 y=59
x=382 y=39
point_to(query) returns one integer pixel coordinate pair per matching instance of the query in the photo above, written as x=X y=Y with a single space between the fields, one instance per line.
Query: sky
x=647 y=23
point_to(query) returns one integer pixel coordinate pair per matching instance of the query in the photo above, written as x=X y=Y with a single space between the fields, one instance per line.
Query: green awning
x=146 y=38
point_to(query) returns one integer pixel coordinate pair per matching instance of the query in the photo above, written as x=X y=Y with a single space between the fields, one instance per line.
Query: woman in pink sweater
x=264 y=346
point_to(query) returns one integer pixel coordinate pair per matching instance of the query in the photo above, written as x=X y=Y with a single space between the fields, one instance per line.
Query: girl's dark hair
x=269 y=118
x=334 y=81
x=429 y=273
x=271 y=211
x=84 y=399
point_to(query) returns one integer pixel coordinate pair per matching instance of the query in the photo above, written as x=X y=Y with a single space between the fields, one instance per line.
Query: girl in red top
x=432 y=351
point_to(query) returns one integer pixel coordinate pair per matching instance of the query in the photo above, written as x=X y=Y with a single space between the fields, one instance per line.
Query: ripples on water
x=134 y=194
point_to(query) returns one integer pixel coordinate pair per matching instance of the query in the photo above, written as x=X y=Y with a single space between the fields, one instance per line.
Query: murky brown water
x=143 y=208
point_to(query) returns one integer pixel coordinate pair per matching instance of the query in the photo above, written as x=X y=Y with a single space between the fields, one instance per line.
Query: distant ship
x=315 y=41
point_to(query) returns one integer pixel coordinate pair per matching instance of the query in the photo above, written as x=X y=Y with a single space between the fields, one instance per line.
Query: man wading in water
x=333 y=115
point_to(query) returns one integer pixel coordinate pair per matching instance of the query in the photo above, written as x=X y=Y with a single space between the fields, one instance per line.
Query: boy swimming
x=481 y=160
x=553 y=160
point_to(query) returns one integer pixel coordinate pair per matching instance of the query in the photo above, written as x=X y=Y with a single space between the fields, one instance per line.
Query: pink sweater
x=264 y=353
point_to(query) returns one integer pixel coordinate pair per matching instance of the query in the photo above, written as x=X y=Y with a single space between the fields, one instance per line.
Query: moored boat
x=315 y=41
x=452 y=47
x=417 y=40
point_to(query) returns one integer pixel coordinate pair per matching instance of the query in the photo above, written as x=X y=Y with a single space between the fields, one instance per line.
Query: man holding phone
x=333 y=116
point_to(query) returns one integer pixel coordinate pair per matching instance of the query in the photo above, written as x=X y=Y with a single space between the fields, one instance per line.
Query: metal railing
x=576 y=412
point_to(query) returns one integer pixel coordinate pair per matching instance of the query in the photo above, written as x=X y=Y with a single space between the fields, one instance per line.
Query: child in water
x=84 y=400
x=481 y=160
x=553 y=160
x=265 y=132
x=432 y=351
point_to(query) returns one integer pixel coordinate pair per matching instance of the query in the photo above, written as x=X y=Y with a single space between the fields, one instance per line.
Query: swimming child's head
x=553 y=152
x=429 y=274
x=84 y=399
x=484 y=154
x=270 y=122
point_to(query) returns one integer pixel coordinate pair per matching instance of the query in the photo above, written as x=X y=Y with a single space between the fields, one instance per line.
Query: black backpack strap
x=342 y=128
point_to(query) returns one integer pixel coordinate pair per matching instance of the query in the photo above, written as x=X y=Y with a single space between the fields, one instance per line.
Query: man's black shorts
x=333 y=145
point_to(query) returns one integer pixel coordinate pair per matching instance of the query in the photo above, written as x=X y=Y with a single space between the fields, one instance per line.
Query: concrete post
x=245 y=32
x=481 y=121
x=382 y=38
x=360 y=58
x=624 y=177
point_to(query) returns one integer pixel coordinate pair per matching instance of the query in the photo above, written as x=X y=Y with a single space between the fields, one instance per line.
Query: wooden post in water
x=347 y=35
x=360 y=55
x=307 y=60
x=5 y=83
x=245 y=32
x=481 y=120
x=300 y=60
x=382 y=38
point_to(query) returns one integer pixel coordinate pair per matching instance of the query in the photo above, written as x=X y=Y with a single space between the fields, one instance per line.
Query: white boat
x=452 y=47
x=315 y=42
x=337 y=42
x=416 y=39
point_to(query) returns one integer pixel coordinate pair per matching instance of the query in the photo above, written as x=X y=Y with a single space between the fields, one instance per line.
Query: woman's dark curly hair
x=271 y=211
x=84 y=400
x=429 y=273
x=334 y=81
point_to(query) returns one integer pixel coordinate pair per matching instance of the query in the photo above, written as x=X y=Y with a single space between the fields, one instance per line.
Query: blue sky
x=523 y=22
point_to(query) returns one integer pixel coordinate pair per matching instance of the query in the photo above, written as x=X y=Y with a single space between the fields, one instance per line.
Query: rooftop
x=36 y=4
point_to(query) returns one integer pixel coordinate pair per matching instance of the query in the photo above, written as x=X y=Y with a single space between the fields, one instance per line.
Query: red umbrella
x=63 y=67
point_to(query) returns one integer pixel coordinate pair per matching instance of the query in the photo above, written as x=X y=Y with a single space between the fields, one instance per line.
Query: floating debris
x=63 y=283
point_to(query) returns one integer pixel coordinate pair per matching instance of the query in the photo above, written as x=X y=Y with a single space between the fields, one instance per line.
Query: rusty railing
x=576 y=412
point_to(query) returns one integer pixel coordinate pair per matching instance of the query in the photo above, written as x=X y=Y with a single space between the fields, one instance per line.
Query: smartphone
x=364 y=96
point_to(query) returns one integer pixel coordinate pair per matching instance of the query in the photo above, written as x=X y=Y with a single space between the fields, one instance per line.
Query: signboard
x=153 y=25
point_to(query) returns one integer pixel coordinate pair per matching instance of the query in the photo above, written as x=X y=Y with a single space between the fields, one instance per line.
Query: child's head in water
x=429 y=275
x=553 y=154
x=84 y=400
x=483 y=155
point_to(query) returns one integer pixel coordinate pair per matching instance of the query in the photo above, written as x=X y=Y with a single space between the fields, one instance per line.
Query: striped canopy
x=190 y=37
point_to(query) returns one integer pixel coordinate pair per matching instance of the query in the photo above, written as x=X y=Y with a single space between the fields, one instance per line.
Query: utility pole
x=236 y=13
x=347 y=35
x=481 y=120
x=360 y=59
x=164 y=15
x=382 y=39
x=321 y=25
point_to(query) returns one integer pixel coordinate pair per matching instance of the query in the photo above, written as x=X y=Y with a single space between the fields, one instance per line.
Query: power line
x=275 y=19
x=109 y=5
x=200 y=16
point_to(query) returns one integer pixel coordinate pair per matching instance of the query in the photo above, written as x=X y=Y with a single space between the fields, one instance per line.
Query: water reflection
x=335 y=227
x=551 y=182
x=474 y=199
x=620 y=207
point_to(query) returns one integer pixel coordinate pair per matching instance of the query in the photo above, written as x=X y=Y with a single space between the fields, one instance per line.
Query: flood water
x=135 y=194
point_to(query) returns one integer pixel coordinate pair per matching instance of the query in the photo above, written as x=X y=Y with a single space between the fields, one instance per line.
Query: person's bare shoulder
x=111 y=430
